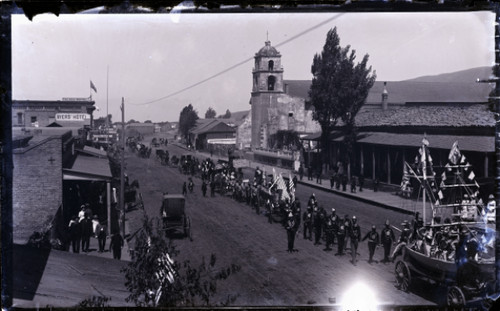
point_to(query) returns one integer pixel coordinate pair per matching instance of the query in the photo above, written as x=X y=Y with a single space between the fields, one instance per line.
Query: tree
x=131 y=121
x=148 y=121
x=187 y=120
x=210 y=114
x=155 y=279
x=339 y=89
x=227 y=115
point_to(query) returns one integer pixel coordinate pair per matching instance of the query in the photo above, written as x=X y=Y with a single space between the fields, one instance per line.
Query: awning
x=88 y=168
x=313 y=136
x=222 y=141
x=94 y=151
x=465 y=143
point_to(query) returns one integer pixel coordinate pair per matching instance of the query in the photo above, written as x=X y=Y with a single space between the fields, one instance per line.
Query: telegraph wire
x=239 y=63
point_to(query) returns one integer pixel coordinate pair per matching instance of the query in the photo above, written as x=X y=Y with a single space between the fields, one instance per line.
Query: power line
x=239 y=63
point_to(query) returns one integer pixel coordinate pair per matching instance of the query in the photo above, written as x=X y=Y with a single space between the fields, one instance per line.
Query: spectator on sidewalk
x=361 y=181
x=101 y=237
x=301 y=171
x=332 y=180
x=86 y=225
x=295 y=181
x=309 y=173
x=95 y=223
x=75 y=233
x=81 y=214
x=318 y=175
x=344 y=182
x=184 y=188
x=353 y=184
x=375 y=185
x=116 y=245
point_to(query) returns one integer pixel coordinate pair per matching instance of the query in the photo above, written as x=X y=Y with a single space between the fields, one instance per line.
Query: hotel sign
x=77 y=117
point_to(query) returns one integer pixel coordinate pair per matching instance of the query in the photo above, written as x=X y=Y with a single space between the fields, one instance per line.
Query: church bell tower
x=267 y=87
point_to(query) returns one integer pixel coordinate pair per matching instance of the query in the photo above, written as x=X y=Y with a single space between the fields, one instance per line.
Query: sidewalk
x=94 y=247
x=382 y=199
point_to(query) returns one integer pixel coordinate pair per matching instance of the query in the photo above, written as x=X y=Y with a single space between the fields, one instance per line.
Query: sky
x=160 y=63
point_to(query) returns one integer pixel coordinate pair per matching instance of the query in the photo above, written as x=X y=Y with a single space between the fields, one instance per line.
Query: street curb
x=350 y=196
x=344 y=194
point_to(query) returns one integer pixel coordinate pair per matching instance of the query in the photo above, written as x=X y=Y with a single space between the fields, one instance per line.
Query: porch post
x=373 y=164
x=388 y=167
x=108 y=204
x=362 y=160
x=485 y=165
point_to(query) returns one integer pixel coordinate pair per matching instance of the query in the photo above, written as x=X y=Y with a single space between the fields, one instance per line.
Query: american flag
x=281 y=185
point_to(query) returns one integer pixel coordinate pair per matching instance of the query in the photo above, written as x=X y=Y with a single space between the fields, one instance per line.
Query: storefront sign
x=78 y=117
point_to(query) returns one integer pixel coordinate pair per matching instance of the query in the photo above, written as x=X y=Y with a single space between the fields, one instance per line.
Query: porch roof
x=465 y=143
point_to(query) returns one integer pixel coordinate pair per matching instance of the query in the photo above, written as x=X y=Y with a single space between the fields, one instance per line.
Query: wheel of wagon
x=187 y=229
x=455 y=297
x=403 y=276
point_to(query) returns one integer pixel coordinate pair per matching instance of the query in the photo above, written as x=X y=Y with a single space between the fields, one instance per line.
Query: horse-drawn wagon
x=173 y=213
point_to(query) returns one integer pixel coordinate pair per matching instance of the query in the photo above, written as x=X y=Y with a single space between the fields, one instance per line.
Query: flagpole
x=107 y=106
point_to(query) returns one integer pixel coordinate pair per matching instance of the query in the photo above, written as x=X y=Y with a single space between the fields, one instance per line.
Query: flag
x=281 y=185
x=472 y=175
x=291 y=185
x=92 y=86
x=425 y=142
x=454 y=153
x=443 y=176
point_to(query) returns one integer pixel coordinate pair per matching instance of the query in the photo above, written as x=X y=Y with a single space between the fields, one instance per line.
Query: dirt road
x=270 y=276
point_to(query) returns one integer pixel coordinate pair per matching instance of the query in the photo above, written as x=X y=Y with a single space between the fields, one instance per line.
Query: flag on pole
x=454 y=154
x=291 y=185
x=281 y=185
x=92 y=86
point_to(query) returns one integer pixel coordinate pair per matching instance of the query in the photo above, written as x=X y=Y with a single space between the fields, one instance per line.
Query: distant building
x=209 y=133
x=69 y=112
x=141 y=128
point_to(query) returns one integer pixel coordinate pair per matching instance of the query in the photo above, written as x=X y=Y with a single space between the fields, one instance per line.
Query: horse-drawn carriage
x=174 y=216
x=468 y=278
x=459 y=253
x=162 y=156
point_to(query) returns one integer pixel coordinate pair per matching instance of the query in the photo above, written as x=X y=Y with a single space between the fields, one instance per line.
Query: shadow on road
x=28 y=267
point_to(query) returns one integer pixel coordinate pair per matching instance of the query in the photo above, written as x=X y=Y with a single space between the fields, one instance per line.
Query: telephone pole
x=122 y=170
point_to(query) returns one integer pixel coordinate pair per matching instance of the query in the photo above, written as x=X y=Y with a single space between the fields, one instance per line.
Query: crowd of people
x=82 y=228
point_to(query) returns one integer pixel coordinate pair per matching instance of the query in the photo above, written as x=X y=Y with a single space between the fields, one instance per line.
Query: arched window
x=271 y=65
x=270 y=83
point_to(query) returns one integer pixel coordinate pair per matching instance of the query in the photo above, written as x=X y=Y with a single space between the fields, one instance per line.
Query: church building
x=273 y=108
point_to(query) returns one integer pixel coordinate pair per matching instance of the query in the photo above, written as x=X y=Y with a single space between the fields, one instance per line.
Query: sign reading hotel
x=76 y=117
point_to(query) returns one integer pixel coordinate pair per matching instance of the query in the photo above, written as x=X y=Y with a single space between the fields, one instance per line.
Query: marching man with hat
x=290 y=232
x=404 y=238
x=355 y=234
x=387 y=237
x=373 y=241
